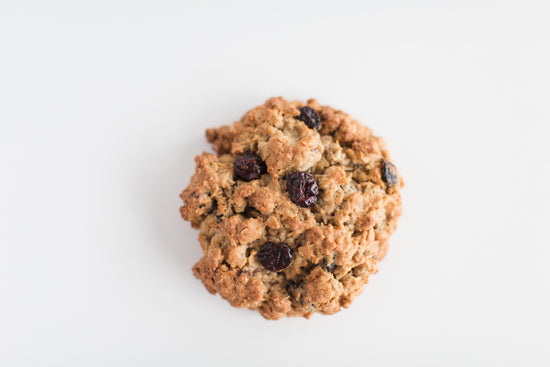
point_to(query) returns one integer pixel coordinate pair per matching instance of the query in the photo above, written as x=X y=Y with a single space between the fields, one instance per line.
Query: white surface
x=103 y=106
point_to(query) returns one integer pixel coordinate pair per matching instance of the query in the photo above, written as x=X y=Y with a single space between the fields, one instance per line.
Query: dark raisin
x=389 y=173
x=310 y=117
x=275 y=256
x=302 y=189
x=248 y=167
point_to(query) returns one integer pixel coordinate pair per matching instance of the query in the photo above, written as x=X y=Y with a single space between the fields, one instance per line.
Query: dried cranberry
x=302 y=189
x=248 y=167
x=310 y=117
x=275 y=256
x=389 y=173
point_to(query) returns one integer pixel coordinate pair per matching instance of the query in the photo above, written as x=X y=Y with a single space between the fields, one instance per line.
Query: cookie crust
x=335 y=244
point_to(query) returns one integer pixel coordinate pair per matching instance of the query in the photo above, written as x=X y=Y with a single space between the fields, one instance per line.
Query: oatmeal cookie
x=294 y=210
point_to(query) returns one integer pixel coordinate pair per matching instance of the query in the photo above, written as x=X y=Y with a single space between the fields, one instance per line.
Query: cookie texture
x=329 y=248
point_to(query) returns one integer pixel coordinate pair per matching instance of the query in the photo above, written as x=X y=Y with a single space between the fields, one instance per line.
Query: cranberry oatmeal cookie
x=294 y=211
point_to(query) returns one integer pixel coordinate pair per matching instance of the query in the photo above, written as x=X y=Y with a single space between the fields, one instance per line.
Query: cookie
x=294 y=210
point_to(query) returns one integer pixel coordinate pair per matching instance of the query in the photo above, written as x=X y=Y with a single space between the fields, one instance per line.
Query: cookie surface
x=294 y=211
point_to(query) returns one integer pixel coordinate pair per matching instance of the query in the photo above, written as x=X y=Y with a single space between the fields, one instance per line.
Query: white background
x=103 y=105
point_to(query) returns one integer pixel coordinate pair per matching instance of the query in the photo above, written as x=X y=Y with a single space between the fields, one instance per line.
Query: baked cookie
x=294 y=211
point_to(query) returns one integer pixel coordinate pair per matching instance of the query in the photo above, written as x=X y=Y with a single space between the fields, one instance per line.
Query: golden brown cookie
x=294 y=211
